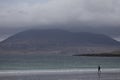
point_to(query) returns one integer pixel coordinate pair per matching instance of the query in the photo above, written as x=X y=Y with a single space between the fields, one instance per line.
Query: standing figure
x=99 y=72
x=99 y=69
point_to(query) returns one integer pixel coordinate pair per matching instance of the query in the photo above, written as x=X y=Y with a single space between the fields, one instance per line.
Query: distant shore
x=99 y=55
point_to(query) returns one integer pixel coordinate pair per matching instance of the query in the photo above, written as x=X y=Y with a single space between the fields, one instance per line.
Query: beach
x=69 y=74
x=58 y=68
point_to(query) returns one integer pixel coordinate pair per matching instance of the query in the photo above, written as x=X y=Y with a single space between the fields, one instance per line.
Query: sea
x=58 y=67
x=48 y=62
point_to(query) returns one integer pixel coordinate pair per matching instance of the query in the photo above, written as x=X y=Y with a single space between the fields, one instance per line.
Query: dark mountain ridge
x=54 y=39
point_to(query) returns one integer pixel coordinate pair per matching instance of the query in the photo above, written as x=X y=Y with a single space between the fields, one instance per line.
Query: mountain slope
x=54 y=39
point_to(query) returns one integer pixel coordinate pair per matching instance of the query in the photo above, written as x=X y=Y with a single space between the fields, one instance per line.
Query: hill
x=58 y=42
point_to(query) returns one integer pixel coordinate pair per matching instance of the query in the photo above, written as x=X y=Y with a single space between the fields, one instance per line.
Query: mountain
x=57 y=41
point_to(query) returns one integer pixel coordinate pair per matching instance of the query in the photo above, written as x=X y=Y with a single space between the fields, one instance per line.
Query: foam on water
x=62 y=71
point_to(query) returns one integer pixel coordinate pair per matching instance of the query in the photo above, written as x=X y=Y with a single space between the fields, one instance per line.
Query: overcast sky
x=102 y=16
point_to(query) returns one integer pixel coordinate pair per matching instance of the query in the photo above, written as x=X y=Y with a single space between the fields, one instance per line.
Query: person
x=99 y=72
x=99 y=69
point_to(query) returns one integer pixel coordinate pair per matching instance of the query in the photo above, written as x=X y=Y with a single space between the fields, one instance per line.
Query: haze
x=98 y=16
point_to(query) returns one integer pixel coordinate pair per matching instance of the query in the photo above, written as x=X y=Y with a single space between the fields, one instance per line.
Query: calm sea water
x=32 y=62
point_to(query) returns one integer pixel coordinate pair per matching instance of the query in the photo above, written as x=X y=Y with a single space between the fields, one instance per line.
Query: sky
x=98 y=16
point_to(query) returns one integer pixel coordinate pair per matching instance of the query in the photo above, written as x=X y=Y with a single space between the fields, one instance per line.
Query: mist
x=97 y=16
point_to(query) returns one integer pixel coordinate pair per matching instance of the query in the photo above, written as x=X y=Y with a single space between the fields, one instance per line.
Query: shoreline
x=56 y=71
x=69 y=74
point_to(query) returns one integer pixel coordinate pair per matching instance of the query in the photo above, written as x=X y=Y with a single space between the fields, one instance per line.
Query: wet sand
x=75 y=74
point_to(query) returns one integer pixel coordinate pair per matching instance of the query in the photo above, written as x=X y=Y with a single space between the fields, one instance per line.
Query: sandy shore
x=74 y=74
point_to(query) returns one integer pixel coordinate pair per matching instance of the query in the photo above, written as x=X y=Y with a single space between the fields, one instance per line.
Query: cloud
x=93 y=12
x=105 y=12
x=87 y=15
x=18 y=13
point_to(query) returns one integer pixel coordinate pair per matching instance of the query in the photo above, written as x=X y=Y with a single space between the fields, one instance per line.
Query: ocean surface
x=43 y=62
